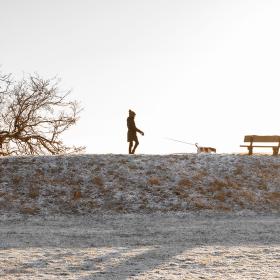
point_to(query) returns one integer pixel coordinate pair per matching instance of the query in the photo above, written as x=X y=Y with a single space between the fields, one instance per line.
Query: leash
x=175 y=140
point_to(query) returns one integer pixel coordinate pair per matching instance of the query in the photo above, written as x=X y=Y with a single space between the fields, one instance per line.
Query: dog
x=205 y=149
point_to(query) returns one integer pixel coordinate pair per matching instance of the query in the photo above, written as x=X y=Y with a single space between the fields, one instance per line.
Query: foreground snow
x=147 y=246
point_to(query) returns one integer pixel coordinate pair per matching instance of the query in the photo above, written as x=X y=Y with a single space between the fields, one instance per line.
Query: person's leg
x=130 y=147
x=135 y=146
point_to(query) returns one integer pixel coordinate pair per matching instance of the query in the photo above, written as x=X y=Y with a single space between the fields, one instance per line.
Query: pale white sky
x=194 y=70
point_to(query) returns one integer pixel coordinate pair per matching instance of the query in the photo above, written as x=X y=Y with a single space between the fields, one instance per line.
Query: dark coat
x=132 y=129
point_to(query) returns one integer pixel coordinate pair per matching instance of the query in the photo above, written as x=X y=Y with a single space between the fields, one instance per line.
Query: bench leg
x=250 y=149
x=275 y=151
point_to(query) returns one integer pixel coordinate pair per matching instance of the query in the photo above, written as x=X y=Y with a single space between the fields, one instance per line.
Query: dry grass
x=203 y=190
x=182 y=188
x=2 y=194
x=123 y=161
x=101 y=187
x=273 y=196
x=181 y=192
x=154 y=181
x=16 y=180
x=185 y=183
x=248 y=196
x=118 y=207
x=77 y=195
x=33 y=192
x=29 y=210
x=222 y=208
x=174 y=208
x=238 y=170
x=200 y=175
x=217 y=185
x=111 y=173
x=91 y=204
x=10 y=198
x=221 y=196
x=98 y=181
x=236 y=200
x=233 y=185
x=199 y=204
x=57 y=181
x=39 y=172
x=58 y=193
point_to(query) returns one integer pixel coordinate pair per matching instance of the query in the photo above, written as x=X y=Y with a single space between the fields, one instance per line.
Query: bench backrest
x=259 y=138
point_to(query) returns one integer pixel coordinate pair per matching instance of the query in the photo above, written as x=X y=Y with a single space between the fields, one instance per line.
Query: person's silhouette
x=132 y=133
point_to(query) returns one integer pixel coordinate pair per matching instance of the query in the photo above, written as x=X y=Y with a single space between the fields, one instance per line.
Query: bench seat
x=258 y=146
x=262 y=139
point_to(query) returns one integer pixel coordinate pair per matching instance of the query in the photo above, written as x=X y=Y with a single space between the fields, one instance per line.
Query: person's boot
x=130 y=150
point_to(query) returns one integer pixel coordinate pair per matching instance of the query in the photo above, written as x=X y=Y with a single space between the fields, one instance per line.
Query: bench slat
x=258 y=146
x=262 y=138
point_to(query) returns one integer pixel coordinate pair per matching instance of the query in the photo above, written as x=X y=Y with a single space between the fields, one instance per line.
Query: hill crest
x=83 y=184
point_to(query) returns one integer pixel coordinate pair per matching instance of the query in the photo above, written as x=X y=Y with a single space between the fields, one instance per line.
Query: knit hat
x=131 y=113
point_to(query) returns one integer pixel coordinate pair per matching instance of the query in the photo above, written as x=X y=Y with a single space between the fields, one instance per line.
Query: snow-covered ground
x=140 y=217
x=140 y=183
x=141 y=246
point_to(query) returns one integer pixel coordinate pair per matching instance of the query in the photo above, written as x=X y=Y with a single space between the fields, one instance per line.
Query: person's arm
x=138 y=130
x=131 y=126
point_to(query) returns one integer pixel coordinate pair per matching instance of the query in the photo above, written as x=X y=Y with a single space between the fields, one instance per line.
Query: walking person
x=132 y=133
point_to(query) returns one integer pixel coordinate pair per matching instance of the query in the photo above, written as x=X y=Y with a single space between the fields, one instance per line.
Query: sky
x=197 y=71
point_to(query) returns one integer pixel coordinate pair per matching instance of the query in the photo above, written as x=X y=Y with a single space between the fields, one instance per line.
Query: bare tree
x=33 y=115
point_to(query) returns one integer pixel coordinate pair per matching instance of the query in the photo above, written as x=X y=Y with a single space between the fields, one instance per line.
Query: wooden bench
x=262 y=139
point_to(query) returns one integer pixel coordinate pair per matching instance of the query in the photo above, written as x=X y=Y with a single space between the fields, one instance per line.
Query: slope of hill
x=139 y=184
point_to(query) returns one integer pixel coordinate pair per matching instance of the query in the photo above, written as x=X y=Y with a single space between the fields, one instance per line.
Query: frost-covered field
x=141 y=246
x=140 y=217
x=139 y=183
